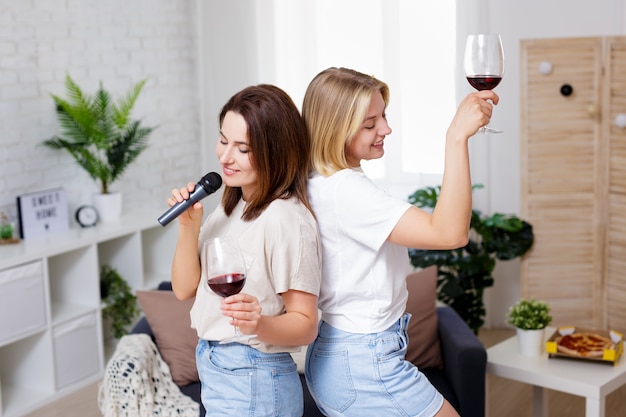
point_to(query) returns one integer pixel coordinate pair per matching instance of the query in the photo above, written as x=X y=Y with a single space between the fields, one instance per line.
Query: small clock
x=87 y=216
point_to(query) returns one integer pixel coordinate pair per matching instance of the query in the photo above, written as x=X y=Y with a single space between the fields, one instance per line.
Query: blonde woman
x=356 y=365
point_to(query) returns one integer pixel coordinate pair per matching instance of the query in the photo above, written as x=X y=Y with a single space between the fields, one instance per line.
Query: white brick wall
x=118 y=42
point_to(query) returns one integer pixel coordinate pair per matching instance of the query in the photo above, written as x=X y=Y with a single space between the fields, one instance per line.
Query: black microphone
x=209 y=184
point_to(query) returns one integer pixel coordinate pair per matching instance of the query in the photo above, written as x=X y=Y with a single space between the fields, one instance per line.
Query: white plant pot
x=109 y=206
x=530 y=342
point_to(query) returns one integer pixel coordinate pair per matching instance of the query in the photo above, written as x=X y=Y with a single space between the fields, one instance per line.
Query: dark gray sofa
x=461 y=381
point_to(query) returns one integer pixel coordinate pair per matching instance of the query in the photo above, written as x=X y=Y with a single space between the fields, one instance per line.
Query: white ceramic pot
x=109 y=206
x=530 y=341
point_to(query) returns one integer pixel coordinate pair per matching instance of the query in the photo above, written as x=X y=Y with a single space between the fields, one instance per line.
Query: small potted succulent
x=530 y=318
x=529 y=315
x=6 y=229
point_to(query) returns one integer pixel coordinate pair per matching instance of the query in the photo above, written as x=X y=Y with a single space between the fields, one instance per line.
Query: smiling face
x=368 y=143
x=234 y=153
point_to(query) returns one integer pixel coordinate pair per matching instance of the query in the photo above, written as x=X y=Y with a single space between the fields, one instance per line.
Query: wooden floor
x=505 y=398
x=82 y=403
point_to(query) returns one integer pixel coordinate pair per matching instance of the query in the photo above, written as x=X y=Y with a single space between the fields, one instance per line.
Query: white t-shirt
x=363 y=276
x=282 y=252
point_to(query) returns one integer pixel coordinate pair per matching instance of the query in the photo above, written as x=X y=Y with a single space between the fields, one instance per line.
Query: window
x=408 y=44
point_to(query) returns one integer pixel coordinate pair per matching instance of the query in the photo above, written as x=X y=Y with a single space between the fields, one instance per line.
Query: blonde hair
x=334 y=108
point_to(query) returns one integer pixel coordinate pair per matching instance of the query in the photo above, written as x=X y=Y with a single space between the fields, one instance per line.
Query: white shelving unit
x=51 y=335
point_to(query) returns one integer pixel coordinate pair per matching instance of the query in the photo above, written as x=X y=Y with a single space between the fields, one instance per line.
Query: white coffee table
x=593 y=381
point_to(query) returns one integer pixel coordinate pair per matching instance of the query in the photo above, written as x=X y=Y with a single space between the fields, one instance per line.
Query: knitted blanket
x=137 y=383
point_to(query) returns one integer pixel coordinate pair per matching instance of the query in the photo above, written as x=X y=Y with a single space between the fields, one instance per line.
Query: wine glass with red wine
x=227 y=273
x=484 y=64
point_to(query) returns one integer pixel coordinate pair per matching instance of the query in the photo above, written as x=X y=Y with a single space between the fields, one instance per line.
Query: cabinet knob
x=620 y=120
x=566 y=90
x=545 y=67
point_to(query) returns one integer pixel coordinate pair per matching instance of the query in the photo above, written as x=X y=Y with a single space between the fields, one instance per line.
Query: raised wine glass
x=227 y=273
x=484 y=64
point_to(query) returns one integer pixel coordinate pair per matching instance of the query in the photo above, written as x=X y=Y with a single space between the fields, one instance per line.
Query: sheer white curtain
x=409 y=44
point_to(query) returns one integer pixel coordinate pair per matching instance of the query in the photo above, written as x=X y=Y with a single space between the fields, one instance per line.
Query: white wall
x=228 y=61
x=117 y=42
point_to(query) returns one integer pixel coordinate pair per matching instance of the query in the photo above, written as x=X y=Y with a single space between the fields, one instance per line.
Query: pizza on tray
x=587 y=345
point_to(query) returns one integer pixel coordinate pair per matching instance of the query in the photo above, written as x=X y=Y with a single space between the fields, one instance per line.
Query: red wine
x=484 y=82
x=229 y=284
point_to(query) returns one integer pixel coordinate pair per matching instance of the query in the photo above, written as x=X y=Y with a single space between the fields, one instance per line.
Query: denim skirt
x=351 y=374
x=238 y=380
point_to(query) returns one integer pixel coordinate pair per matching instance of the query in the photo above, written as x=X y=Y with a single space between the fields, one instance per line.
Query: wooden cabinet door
x=614 y=97
x=561 y=164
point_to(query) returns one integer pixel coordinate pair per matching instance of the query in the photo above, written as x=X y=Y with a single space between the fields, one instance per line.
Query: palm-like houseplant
x=98 y=132
x=464 y=273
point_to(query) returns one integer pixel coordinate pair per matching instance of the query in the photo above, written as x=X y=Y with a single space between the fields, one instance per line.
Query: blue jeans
x=238 y=380
x=351 y=374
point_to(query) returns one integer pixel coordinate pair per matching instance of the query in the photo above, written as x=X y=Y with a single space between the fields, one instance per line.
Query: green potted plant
x=529 y=315
x=100 y=135
x=6 y=228
x=530 y=318
x=120 y=303
x=464 y=273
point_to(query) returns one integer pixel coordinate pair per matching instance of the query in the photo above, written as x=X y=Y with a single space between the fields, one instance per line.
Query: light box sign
x=43 y=213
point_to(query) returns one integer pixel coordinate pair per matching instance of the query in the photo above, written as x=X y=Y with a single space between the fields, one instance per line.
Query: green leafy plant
x=6 y=227
x=120 y=302
x=464 y=273
x=98 y=132
x=529 y=314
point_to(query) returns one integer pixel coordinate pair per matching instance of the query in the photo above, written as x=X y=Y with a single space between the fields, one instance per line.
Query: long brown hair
x=279 y=144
